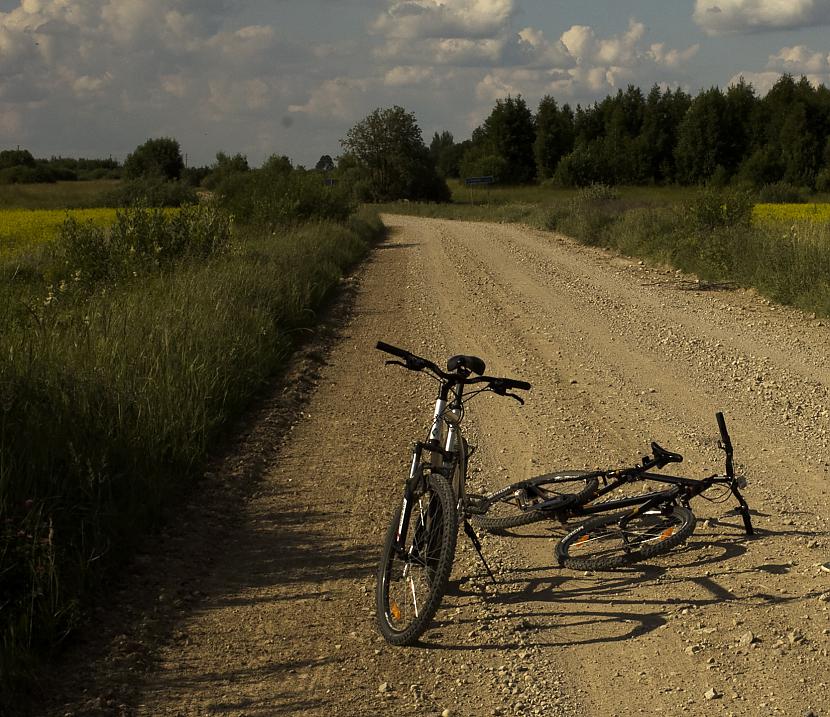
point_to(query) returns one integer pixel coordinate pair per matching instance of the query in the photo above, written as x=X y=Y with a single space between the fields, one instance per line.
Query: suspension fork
x=743 y=508
x=416 y=471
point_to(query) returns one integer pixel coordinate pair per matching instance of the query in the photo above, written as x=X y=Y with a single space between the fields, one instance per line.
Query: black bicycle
x=419 y=549
x=655 y=521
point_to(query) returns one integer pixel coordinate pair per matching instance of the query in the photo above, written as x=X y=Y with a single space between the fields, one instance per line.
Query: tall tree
x=700 y=141
x=324 y=164
x=389 y=147
x=509 y=133
x=158 y=158
x=554 y=136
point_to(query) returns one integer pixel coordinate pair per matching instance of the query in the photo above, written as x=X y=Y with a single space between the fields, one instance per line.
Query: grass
x=113 y=388
x=60 y=195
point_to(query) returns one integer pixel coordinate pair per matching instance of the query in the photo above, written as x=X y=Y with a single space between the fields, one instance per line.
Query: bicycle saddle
x=664 y=456
x=473 y=364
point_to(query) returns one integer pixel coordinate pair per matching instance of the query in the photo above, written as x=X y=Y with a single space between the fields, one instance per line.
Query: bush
x=823 y=180
x=150 y=192
x=714 y=208
x=277 y=199
x=781 y=193
x=139 y=242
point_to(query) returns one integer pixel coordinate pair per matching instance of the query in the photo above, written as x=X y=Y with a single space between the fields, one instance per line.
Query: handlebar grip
x=394 y=350
x=724 y=434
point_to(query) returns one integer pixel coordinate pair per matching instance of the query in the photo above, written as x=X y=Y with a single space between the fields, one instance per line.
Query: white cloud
x=406 y=76
x=672 y=58
x=719 y=17
x=798 y=60
x=448 y=19
x=341 y=98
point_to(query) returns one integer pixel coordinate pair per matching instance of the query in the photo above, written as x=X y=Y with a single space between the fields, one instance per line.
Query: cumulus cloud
x=411 y=19
x=341 y=98
x=720 y=17
x=798 y=60
x=583 y=63
x=87 y=70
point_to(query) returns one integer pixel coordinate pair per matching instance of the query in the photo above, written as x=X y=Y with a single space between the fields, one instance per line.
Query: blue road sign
x=470 y=181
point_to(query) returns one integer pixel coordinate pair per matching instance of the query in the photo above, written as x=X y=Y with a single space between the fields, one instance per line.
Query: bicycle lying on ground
x=658 y=520
x=420 y=544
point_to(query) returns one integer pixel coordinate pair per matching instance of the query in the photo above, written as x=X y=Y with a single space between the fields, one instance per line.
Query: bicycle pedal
x=477 y=504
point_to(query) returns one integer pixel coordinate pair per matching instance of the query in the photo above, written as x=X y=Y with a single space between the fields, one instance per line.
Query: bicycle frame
x=445 y=447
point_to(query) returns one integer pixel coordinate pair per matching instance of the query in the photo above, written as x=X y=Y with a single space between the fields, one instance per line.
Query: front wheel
x=554 y=490
x=412 y=582
x=609 y=541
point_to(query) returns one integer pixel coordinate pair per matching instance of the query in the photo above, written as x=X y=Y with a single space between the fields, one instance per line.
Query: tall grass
x=113 y=386
x=60 y=195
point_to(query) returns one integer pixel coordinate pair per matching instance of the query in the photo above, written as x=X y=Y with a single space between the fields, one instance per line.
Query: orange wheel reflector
x=582 y=539
x=394 y=609
x=667 y=533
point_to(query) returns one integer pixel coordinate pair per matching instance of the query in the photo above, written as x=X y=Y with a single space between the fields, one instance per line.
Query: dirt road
x=263 y=605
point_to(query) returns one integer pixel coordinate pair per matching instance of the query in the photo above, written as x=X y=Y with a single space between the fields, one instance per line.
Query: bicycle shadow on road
x=548 y=602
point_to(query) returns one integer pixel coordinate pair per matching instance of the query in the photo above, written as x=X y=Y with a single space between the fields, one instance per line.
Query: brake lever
x=395 y=363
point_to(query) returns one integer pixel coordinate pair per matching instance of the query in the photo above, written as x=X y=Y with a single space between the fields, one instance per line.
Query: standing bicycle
x=419 y=549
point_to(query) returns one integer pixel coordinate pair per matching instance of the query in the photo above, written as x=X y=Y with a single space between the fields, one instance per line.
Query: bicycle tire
x=431 y=539
x=494 y=522
x=600 y=543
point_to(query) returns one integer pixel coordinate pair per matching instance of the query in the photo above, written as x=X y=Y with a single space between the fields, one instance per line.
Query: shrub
x=823 y=180
x=781 y=193
x=274 y=199
x=714 y=208
x=150 y=192
x=140 y=241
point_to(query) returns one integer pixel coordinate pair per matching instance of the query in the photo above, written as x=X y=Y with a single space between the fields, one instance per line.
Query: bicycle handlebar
x=416 y=363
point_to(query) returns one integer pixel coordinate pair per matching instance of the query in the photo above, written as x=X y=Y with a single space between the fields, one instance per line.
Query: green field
x=60 y=195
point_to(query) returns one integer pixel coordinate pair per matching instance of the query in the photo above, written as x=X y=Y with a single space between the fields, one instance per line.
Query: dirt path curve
x=272 y=615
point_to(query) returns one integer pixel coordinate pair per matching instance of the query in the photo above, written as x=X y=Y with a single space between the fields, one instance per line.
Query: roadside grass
x=60 y=195
x=782 y=250
x=114 y=385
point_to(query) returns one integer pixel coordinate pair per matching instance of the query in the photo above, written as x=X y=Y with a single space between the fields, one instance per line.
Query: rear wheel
x=411 y=584
x=555 y=490
x=604 y=543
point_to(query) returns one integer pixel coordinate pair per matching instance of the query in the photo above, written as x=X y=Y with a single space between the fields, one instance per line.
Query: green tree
x=700 y=147
x=554 y=136
x=389 y=149
x=325 y=164
x=277 y=164
x=446 y=154
x=800 y=148
x=225 y=166
x=510 y=133
x=156 y=158
x=16 y=158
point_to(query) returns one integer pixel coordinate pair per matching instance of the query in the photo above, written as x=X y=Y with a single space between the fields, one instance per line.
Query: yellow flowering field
x=791 y=212
x=24 y=228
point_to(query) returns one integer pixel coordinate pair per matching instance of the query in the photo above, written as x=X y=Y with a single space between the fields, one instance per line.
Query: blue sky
x=98 y=77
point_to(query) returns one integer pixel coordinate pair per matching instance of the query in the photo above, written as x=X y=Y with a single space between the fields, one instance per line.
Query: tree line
x=663 y=137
